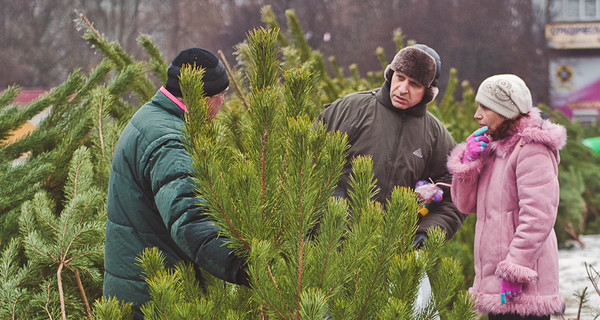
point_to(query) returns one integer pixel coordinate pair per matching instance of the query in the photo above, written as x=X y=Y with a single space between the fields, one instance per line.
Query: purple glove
x=508 y=290
x=476 y=144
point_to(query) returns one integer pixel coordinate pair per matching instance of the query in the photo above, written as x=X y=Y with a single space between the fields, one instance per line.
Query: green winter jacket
x=152 y=203
x=406 y=146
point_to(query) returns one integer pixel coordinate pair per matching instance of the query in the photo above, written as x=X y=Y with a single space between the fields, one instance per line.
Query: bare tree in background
x=32 y=42
x=119 y=20
x=40 y=45
x=486 y=37
x=478 y=37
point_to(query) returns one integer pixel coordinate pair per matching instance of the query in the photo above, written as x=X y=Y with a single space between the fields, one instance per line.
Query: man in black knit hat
x=406 y=142
x=152 y=201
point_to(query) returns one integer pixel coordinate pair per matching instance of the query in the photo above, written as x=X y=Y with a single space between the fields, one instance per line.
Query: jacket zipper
x=397 y=143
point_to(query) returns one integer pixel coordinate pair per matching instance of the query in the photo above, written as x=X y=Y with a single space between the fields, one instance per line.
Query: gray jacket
x=406 y=146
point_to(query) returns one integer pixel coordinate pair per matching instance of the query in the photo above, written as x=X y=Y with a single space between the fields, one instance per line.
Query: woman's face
x=487 y=117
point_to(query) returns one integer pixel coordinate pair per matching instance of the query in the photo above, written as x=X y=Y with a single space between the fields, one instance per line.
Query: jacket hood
x=533 y=129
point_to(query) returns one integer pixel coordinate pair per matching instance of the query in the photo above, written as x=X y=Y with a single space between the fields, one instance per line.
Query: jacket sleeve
x=538 y=196
x=183 y=213
x=465 y=177
x=443 y=214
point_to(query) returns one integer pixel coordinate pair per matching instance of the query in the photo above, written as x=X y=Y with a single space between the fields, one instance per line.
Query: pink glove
x=476 y=144
x=508 y=290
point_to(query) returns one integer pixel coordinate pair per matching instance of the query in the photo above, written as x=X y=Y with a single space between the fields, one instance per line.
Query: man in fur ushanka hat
x=406 y=142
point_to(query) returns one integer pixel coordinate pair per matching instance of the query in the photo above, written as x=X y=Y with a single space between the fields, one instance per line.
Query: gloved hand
x=508 y=290
x=476 y=144
x=420 y=237
x=242 y=277
x=427 y=193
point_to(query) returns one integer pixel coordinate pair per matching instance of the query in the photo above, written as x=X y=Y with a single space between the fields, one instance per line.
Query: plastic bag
x=427 y=192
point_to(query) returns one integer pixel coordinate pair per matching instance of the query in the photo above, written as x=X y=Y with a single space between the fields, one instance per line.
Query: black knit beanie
x=215 y=76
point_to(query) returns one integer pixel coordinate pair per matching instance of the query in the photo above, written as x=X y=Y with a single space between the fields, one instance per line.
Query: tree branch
x=61 y=294
x=100 y=129
x=83 y=296
x=85 y=19
x=300 y=244
x=47 y=301
x=232 y=77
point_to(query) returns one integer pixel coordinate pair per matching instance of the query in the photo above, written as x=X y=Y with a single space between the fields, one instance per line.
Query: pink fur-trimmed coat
x=513 y=188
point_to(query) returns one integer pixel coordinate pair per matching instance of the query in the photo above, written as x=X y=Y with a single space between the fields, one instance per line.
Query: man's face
x=215 y=103
x=405 y=92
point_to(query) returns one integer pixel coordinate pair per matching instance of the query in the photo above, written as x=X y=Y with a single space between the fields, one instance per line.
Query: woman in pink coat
x=507 y=173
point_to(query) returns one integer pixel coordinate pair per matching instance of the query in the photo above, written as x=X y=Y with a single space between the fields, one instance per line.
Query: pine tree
x=52 y=263
x=13 y=294
x=40 y=171
x=84 y=111
x=579 y=178
x=270 y=194
x=64 y=253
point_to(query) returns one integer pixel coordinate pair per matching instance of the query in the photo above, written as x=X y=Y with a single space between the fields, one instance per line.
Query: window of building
x=590 y=10
x=586 y=116
x=574 y=10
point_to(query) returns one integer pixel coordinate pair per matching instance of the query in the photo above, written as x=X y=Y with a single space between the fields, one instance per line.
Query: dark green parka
x=152 y=203
x=406 y=146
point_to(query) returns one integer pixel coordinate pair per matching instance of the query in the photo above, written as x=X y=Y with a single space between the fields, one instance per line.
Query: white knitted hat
x=506 y=94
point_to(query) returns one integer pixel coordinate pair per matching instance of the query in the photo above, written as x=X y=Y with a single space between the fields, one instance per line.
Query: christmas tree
x=270 y=189
x=52 y=212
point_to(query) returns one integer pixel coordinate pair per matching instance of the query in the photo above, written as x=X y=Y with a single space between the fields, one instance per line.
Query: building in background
x=26 y=96
x=573 y=37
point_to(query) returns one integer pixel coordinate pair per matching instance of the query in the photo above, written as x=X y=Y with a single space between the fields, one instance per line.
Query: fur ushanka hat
x=421 y=63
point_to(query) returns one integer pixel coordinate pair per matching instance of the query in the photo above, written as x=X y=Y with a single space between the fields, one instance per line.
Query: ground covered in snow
x=573 y=276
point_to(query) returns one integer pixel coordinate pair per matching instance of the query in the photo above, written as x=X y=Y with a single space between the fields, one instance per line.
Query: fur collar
x=532 y=129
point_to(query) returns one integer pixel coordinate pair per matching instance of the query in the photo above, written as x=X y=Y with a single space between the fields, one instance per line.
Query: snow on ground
x=573 y=276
